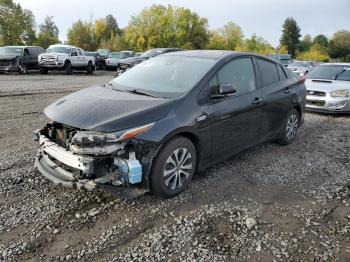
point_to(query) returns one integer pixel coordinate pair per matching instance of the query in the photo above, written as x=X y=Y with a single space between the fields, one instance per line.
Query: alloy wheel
x=177 y=169
x=292 y=126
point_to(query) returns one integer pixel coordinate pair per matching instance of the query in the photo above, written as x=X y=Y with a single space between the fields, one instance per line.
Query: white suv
x=65 y=58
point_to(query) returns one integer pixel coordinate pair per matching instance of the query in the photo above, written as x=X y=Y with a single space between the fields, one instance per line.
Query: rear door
x=81 y=58
x=74 y=58
x=277 y=95
x=236 y=119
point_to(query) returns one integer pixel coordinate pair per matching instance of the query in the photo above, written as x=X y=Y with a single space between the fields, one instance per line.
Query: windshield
x=330 y=72
x=11 y=51
x=115 y=55
x=299 y=64
x=164 y=76
x=60 y=49
x=152 y=53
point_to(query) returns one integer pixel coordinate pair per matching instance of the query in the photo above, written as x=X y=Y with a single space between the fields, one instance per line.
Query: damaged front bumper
x=65 y=168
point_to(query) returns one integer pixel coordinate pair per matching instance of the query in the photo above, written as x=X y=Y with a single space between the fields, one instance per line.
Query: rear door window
x=268 y=72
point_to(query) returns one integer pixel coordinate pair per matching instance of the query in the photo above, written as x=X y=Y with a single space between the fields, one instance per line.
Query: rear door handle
x=257 y=101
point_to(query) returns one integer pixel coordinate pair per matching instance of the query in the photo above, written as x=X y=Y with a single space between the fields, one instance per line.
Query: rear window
x=268 y=71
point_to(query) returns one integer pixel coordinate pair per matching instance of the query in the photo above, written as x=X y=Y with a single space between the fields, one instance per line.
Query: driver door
x=235 y=119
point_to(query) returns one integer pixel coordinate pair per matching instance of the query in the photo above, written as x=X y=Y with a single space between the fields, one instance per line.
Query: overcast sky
x=263 y=17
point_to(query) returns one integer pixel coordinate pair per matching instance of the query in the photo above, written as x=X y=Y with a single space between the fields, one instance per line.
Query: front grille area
x=315 y=102
x=5 y=62
x=316 y=93
x=48 y=58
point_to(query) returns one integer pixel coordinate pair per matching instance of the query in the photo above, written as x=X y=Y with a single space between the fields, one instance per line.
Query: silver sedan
x=328 y=88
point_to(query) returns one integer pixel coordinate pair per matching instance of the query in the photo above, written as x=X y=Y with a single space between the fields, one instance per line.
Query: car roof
x=214 y=54
x=338 y=64
x=69 y=46
x=21 y=46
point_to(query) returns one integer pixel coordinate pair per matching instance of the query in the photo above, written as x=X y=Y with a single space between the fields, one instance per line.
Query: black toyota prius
x=153 y=127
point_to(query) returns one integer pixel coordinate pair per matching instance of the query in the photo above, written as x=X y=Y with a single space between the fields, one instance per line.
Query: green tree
x=17 y=25
x=228 y=37
x=114 y=43
x=290 y=36
x=216 y=40
x=160 y=26
x=339 y=45
x=306 y=43
x=48 y=33
x=82 y=34
x=322 y=40
x=316 y=53
x=258 y=45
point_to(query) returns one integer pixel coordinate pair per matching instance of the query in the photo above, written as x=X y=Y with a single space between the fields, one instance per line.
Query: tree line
x=165 y=26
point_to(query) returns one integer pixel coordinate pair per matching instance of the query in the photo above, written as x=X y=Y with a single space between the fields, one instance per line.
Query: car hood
x=8 y=57
x=107 y=110
x=326 y=85
x=54 y=54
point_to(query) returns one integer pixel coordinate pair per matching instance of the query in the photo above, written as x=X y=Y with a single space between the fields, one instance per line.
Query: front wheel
x=173 y=168
x=43 y=71
x=290 y=128
x=90 y=69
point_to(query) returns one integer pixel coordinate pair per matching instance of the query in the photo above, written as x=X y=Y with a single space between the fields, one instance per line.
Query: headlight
x=340 y=93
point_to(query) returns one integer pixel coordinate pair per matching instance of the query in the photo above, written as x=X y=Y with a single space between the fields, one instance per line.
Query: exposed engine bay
x=87 y=159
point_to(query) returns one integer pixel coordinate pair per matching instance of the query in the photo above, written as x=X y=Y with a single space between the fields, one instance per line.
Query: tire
x=68 y=68
x=43 y=71
x=90 y=68
x=173 y=167
x=290 y=128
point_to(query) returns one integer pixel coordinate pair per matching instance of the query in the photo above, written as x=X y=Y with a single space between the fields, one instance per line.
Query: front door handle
x=257 y=101
x=287 y=90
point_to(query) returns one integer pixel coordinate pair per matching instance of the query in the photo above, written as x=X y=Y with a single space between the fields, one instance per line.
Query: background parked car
x=112 y=62
x=328 y=88
x=138 y=54
x=284 y=59
x=103 y=52
x=99 y=60
x=19 y=58
x=65 y=58
x=128 y=63
x=301 y=67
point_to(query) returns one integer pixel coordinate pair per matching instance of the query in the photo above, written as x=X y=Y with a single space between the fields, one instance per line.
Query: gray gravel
x=269 y=203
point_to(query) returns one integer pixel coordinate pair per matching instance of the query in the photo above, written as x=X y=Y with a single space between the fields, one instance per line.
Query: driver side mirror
x=74 y=54
x=224 y=90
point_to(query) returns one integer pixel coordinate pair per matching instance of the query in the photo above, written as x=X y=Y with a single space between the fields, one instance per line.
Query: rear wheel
x=43 y=71
x=173 y=167
x=290 y=128
x=68 y=68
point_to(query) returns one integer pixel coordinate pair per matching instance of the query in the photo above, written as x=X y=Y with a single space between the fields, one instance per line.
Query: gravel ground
x=269 y=203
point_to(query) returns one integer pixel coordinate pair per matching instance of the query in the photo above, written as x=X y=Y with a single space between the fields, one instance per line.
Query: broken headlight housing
x=91 y=142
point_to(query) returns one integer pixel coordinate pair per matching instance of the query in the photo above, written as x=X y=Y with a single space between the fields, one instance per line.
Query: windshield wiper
x=338 y=74
x=141 y=92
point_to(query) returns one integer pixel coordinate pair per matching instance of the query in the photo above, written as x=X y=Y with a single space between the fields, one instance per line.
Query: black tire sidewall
x=90 y=69
x=68 y=68
x=156 y=177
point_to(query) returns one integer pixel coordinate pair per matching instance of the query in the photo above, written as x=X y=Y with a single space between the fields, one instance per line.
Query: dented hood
x=107 y=110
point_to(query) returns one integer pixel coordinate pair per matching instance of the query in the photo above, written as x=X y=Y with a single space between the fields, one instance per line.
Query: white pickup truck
x=65 y=58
